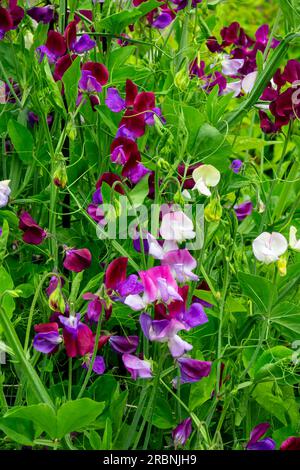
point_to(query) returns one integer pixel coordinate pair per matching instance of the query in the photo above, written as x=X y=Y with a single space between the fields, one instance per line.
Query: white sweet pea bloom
x=176 y=226
x=293 y=242
x=268 y=247
x=231 y=66
x=248 y=82
x=205 y=176
x=233 y=87
x=4 y=192
x=158 y=251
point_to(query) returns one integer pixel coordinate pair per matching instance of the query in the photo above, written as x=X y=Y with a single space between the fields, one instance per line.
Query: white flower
x=293 y=242
x=158 y=251
x=231 y=66
x=4 y=192
x=176 y=226
x=206 y=176
x=233 y=87
x=249 y=81
x=268 y=247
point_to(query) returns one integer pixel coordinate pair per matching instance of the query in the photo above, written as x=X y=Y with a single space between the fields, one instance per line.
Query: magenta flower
x=291 y=443
x=124 y=344
x=182 y=432
x=78 y=338
x=33 y=233
x=10 y=17
x=137 y=368
x=94 y=307
x=243 y=210
x=124 y=151
x=182 y=264
x=47 y=338
x=41 y=14
x=77 y=260
x=117 y=281
x=192 y=370
x=165 y=331
x=256 y=443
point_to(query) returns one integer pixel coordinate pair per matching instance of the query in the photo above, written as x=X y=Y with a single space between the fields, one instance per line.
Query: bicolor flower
x=182 y=432
x=138 y=368
x=10 y=17
x=176 y=226
x=157 y=249
x=78 y=338
x=256 y=443
x=182 y=264
x=268 y=247
x=206 y=176
x=243 y=210
x=117 y=282
x=47 y=338
x=293 y=241
x=165 y=331
x=94 y=307
x=192 y=370
x=33 y=234
x=93 y=77
x=4 y=192
x=124 y=344
x=159 y=285
x=77 y=260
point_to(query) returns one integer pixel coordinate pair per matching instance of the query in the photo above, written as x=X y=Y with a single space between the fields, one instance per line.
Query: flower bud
x=56 y=300
x=281 y=265
x=71 y=130
x=60 y=178
x=181 y=80
x=213 y=211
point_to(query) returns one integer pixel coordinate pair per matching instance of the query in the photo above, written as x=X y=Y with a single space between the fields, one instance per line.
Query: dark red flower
x=77 y=260
x=33 y=233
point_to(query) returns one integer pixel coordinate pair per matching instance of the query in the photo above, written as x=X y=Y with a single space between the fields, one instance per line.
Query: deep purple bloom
x=114 y=101
x=243 y=210
x=236 y=165
x=84 y=44
x=163 y=20
x=256 y=443
x=124 y=344
x=41 y=14
x=98 y=365
x=77 y=260
x=192 y=370
x=47 y=338
x=137 y=368
x=182 y=432
x=33 y=233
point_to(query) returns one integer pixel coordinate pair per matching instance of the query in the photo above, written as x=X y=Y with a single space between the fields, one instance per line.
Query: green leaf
x=26 y=290
x=41 y=415
x=22 y=140
x=139 y=192
x=258 y=289
x=271 y=401
x=76 y=415
x=211 y=147
x=201 y=391
x=3 y=239
x=19 y=430
x=70 y=80
x=272 y=363
x=286 y=318
x=107 y=436
x=6 y=283
x=162 y=417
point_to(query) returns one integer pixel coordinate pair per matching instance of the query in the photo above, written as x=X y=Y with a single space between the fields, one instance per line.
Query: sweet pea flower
x=176 y=226
x=236 y=165
x=159 y=285
x=256 y=443
x=291 y=443
x=116 y=280
x=124 y=344
x=182 y=432
x=41 y=14
x=77 y=260
x=94 y=308
x=78 y=338
x=4 y=192
x=192 y=370
x=137 y=368
x=93 y=77
x=10 y=17
x=293 y=241
x=206 y=176
x=182 y=264
x=33 y=233
x=47 y=338
x=165 y=331
x=243 y=210
x=98 y=364
x=231 y=66
x=268 y=247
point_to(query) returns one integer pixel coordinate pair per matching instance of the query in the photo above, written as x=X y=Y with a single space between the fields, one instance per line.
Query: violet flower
x=33 y=233
x=41 y=14
x=236 y=165
x=243 y=210
x=192 y=370
x=124 y=344
x=10 y=17
x=47 y=338
x=137 y=368
x=98 y=364
x=182 y=432
x=77 y=260
x=256 y=443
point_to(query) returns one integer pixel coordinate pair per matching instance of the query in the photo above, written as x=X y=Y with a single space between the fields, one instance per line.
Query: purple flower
x=256 y=443
x=137 y=368
x=84 y=44
x=236 y=165
x=94 y=309
x=89 y=83
x=192 y=370
x=78 y=338
x=47 y=338
x=181 y=263
x=33 y=233
x=291 y=443
x=114 y=101
x=41 y=14
x=124 y=344
x=163 y=20
x=243 y=210
x=182 y=432
x=77 y=260
x=98 y=365
x=165 y=331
